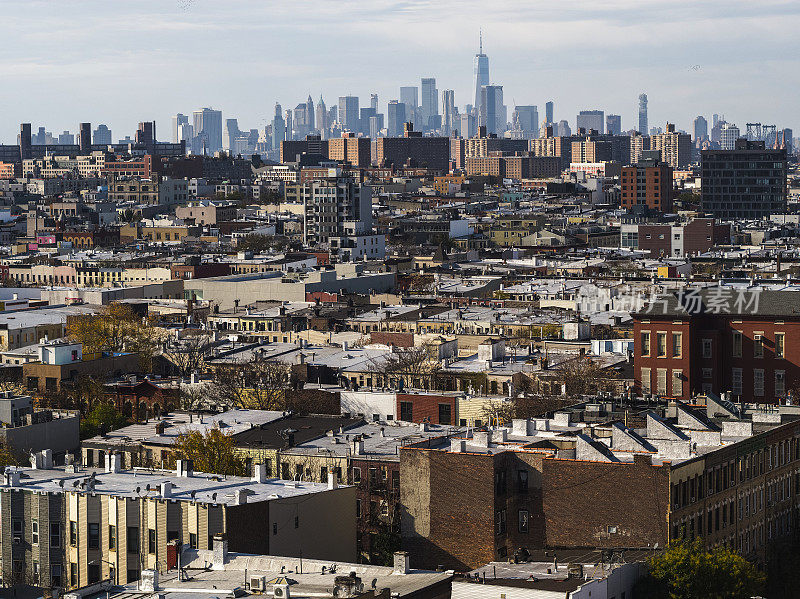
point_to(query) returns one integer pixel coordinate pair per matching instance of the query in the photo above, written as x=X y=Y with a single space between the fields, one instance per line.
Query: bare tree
x=411 y=366
x=189 y=354
x=257 y=384
x=582 y=376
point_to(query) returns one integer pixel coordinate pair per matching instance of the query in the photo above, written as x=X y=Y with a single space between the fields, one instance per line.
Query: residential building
x=675 y=148
x=647 y=183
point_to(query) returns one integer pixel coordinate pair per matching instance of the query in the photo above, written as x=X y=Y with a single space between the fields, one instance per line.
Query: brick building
x=665 y=240
x=751 y=348
x=647 y=183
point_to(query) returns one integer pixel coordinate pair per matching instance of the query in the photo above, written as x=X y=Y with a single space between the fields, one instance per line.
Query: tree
x=687 y=571
x=82 y=394
x=188 y=354
x=409 y=366
x=104 y=417
x=6 y=456
x=212 y=452
x=582 y=376
x=117 y=328
x=258 y=384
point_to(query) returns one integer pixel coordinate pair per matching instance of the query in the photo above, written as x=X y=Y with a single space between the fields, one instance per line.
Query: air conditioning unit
x=257 y=583
x=280 y=591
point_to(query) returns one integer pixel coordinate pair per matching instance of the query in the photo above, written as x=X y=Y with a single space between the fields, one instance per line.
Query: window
x=736 y=377
x=94 y=535
x=274 y=528
x=780 y=383
x=677 y=345
x=645 y=380
x=112 y=537
x=500 y=522
x=758 y=382
x=677 y=383
x=406 y=411
x=707 y=373
x=661 y=345
x=645 y=344
x=662 y=381
x=73 y=575
x=55 y=575
x=356 y=475
x=34 y=532
x=522 y=481
x=73 y=533
x=192 y=540
x=358 y=508
x=151 y=540
x=55 y=534
x=523 y=521
x=780 y=345
x=94 y=573
x=500 y=482
x=758 y=346
x=707 y=348
x=444 y=413
x=133 y=539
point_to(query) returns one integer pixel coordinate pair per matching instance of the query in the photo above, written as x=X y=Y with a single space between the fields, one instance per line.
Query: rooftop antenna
x=480 y=43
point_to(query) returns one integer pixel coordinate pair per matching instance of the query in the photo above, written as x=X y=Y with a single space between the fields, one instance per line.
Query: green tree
x=103 y=417
x=212 y=452
x=6 y=456
x=688 y=571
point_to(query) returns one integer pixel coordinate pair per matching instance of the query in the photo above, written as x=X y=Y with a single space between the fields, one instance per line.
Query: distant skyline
x=121 y=63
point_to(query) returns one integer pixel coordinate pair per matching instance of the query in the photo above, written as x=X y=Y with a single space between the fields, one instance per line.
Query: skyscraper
x=348 y=112
x=208 y=126
x=25 y=141
x=613 y=124
x=278 y=127
x=410 y=97
x=548 y=113
x=373 y=102
x=643 y=114
x=310 y=113
x=730 y=133
x=85 y=138
x=491 y=106
x=396 y=115
x=467 y=125
x=178 y=120
x=102 y=135
x=700 y=129
x=480 y=74
x=430 y=101
x=287 y=117
x=590 y=119
x=448 y=110
x=526 y=119
x=322 y=118
x=229 y=134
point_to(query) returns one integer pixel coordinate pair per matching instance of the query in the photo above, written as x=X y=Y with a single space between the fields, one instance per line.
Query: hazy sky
x=122 y=62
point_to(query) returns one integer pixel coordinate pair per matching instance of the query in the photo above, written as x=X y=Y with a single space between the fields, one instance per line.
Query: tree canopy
x=212 y=452
x=103 y=417
x=688 y=571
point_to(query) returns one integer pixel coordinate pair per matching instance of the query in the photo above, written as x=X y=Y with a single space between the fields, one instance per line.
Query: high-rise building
x=322 y=118
x=526 y=120
x=784 y=141
x=287 y=116
x=614 y=124
x=448 y=111
x=25 y=149
x=490 y=115
x=300 y=121
x=310 y=114
x=102 y=136
x=643 y=114
x=730 y=133
x=365 y=114
x=348 y=113
x=335 y=208
x=589 y=120
x=85 y=138
x=675 y=148
x=480 y=75
x=700 y=129
x=715 y=119
x=229 y=134
x=178 y=120
x=548 y=113
x=409 y=95
x=467 y=126
x=748 y=181
x=562 y=128
x=396 y=115
x=66 y=139
x=278 y=128
x=373 y=102
x=648 y=182
x=430 y=101
x=208 y=127
x=146 y=133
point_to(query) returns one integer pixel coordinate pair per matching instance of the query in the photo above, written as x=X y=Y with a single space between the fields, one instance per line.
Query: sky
x=119 y=63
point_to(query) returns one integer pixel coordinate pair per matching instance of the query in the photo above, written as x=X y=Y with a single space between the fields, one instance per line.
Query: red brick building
x=750 y=347
x=648 y=183
x=435 y=408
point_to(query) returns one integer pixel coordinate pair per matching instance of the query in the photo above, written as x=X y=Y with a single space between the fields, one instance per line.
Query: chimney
x=423 y=427
x=401 y=562
x=166 y=489
x=483 y=438
x=183 y=468
x=358 y=446
x=239 y=498
x=333 y=481
x=149 y=582
x=11 y=477
x=458 y=445
x=220 y=552
x=259 y=473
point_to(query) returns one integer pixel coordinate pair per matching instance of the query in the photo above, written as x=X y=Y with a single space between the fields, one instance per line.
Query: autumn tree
x=408 y=366
x=7 y=457
x=212 y=452
x=688 y=571
x=257 y=384
x=117 y=328
x=82 y=394
x=582 y=376
x=188 y=354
